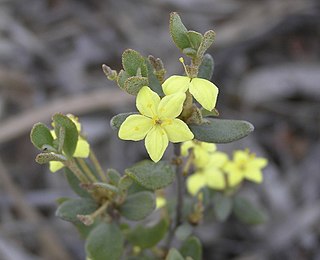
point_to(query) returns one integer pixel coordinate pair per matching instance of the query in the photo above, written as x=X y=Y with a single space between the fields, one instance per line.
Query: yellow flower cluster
x=215 y=170
x=158 y=123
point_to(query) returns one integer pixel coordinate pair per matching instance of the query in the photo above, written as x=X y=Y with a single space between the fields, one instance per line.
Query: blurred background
x=267 y=68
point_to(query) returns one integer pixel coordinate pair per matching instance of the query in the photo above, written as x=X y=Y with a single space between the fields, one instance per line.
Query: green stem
x=97 y=166
x=71 y=164
x=180 y=192
x=86 y=170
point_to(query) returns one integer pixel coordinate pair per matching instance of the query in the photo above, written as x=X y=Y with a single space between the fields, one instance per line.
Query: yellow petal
x=171 y=106
x=241 y=156
x=82 y=149
x=177 y=130
x=156 y=143
x=218 y=159
x=160 y=202
x=254 y=175
x=55 y=166
x=209 y=147
x=135 y=128
x=201 y=157
x=205 y=92
x=259 y=163
x=195 y=182
x=234 y=175
x=215 y=179
x=147 y=102
x=175 y=84
x=185 y=147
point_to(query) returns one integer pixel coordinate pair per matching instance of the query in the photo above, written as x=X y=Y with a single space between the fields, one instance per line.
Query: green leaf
x=69 y=210
x=178 y=31
x=192 y=248
x=174 y=254
x=190 y=52
x=208 y=39
x=122 y=77
x=207 y=113
x=43 y=158
x=195 y=39
x=135 y=187
x=105 y=186
x=84 y=230
x=247 y=213
x=114 y=176
x=74 y=184
x=133 y=84
x=71 y=133
x=40 y=135
x=138 y=206
x=117 y=120
x=206 y=67
x=133 y=62
x=152 y=175
x=221 y=130
x=154 y=83
x=105 y=242
x=222 y=206
x=147 y=237
x=125 y=183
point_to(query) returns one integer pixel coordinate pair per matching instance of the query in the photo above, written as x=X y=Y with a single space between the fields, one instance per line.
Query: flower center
x=156 y=121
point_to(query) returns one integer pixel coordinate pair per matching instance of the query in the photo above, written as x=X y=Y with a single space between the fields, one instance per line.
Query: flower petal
x=175 y=84
x=177 y=130
x=259 y=163
x=235 y=176
x=147 y=102
x=185 y=147
x=55 y=166
x=254 y=175
x=205 y=92
x=135 y=128
x=171 y=106
x=195 y=182
x=82 y=149
x=156 y=143
x=218 y=159
x=215 y=179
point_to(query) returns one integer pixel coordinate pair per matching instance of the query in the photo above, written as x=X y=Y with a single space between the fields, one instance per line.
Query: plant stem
x=71 y=164
x=97 y=166
x=180 y=191
x=86 y=170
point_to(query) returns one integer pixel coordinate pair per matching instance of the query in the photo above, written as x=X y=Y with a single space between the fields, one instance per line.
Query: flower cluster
x=215 y=170
x=158 y=122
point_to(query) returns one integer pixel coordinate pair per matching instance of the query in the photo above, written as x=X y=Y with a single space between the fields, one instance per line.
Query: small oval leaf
x=154 y=83
x=206 y=67
x=208 y=39
x=133 y=62
x=105 y=242
x=69 y=209
x=178 y=31
x=192 y=248
x=222 y=206
x=174 y=254
x=48 y=157
x=221 y=130
x=122 y=77
x=40 y=135
x=152 y=175
x=70 y=133
x=147 y=237
x=74 y=184
x=114 y=176
x=138 y=206
x=247 y=213
x=133 y=84
x=195 y=39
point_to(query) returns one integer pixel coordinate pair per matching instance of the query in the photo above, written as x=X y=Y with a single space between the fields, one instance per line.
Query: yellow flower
x=245 y=165
x=157 y=123
x=82 y=148
x=204 y=91
x=201 y=151
x=160 y=202
x=210 y=174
